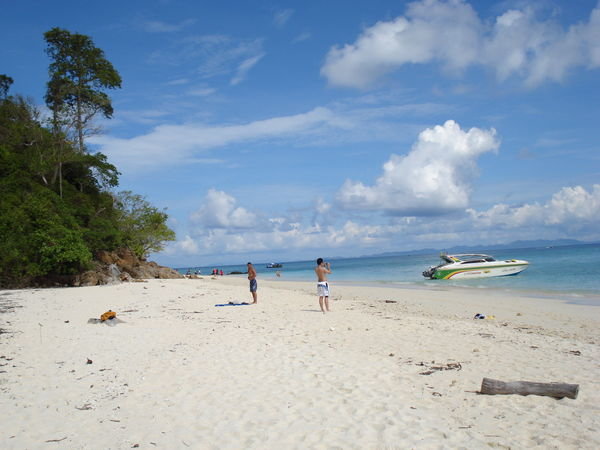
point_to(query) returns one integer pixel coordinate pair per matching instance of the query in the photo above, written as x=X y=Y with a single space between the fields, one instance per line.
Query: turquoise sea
x=570 y=272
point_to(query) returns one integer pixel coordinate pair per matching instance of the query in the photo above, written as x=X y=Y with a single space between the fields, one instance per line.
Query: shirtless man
x=253 y=284
x=322 y=270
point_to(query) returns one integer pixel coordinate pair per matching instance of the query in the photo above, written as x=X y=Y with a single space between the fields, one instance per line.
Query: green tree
x=143 y=226
x=42 y=233
x=41 y=236
x=5 y=83
x=79 y=75
x=56 y=205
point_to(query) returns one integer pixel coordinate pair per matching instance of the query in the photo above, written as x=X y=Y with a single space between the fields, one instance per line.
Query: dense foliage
x=143 y=226
x=57 y=206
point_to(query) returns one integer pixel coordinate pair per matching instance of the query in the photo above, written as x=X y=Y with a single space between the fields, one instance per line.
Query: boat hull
x=462 y=273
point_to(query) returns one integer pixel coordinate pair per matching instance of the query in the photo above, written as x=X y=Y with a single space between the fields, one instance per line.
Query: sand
x=178 y=372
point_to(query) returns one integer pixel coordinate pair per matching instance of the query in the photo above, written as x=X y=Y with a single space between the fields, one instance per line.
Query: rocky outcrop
x=121 y=265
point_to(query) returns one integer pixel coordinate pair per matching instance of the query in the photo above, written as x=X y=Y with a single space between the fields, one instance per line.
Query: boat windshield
x=448 y=259
x=470 y=258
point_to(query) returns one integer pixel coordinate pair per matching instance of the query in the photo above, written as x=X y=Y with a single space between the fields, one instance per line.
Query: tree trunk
x=79 y=120
x=60 y=179
x=556 y=390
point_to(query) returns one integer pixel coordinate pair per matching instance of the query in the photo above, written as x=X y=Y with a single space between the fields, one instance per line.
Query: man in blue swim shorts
x=322 y=269
x=253 y=283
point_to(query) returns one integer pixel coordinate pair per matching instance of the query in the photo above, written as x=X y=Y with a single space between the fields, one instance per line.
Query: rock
x=105 y=257
x=125 y=277
x=121 y=265
x=89 y=278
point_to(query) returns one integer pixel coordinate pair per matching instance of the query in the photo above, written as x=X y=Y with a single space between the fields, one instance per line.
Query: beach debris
x=84 y=407
x=439 y=367
x=483 y=316
x=56 y=440
x=89 y=361
x=391 y=354
x=556 y=390
x=575 y=352
x=108 y=315
x=391 y=301
x=107 y=318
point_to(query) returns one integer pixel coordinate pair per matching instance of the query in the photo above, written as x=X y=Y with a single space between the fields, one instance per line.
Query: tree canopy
x=142 y=225
x=79 y=75
x=5 y=83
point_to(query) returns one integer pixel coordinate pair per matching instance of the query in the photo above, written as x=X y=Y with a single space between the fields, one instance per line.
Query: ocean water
x=571 y=272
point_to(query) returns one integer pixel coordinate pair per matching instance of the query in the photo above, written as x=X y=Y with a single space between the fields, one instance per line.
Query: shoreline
x=584 y=298
x=386 y=368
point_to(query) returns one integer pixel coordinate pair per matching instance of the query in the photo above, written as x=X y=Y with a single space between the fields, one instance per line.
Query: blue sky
x=289 y=130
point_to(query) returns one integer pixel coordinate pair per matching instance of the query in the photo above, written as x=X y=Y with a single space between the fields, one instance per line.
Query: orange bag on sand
x=108 y=315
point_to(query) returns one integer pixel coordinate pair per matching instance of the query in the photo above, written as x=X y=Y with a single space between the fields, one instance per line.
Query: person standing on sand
x=253 y=284
x=322 y=269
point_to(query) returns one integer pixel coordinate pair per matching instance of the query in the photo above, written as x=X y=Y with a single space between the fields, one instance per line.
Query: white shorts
x=323 y=289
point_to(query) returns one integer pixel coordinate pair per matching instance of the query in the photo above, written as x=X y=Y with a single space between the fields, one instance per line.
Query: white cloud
x=222 y=227
x=157 y=26
x=244 y=68
x=570 y=207
x=219 y=210
x=212 y=55
x=284 y=237
x=281 y=17
x=221 y=55
x=178 y=82
x=170 y=145
x=321 y=206
x=188 y=245
x=301 y=37
x=433 y=178
x=201 y=92
x=451 y=33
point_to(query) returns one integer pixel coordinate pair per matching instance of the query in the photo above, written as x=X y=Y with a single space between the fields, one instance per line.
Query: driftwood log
x=556 y=390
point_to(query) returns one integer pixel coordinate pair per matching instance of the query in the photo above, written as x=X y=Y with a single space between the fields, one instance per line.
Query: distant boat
x=274 y=265
x=473 y=266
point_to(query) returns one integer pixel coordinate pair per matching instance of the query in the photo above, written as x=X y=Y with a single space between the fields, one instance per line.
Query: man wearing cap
x=253 y=284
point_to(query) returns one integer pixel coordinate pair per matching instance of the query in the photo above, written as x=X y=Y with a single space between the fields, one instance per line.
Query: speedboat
x=473 y=266
x=274 y=265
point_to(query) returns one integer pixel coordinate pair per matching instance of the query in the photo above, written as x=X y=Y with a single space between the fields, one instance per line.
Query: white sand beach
x=179 y=372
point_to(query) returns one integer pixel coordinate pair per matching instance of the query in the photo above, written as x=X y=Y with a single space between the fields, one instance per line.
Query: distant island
x=477 y=248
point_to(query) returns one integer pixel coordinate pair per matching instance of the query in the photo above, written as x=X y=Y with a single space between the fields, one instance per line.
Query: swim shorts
x=323 y=289
x=253 y=285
